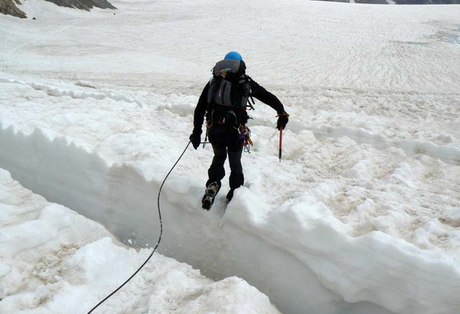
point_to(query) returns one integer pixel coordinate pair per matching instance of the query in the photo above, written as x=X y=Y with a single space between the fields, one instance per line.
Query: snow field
x=290 y=44
x=334 y=199
x=361 y=216
x=56 y=261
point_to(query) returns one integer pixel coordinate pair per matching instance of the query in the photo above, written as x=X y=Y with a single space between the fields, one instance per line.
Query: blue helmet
x=233 y=55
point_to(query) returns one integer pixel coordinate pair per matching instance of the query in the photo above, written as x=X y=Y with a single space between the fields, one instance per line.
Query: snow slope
x=56 y=261
x=362 y=216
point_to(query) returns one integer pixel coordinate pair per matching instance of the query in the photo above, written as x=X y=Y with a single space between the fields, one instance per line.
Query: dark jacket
x=258 y=92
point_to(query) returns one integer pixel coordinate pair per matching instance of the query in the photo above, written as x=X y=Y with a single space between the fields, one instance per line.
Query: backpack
x=228 y=94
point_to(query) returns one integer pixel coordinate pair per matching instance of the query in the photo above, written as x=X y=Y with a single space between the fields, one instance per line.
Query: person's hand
x=195 y=138
x=283 y=119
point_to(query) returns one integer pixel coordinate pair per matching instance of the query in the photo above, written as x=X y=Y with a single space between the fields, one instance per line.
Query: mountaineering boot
x=209 y=195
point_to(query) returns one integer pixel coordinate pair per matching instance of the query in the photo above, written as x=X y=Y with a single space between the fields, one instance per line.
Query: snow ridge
x=448 y=154
x=59 y=92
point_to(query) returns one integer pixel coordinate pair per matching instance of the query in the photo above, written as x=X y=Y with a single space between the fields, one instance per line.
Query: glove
x=283 y=119
x=195 y=138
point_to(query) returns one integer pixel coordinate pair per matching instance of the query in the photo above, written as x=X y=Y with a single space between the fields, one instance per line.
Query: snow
x=362 y=215
x=56 y=261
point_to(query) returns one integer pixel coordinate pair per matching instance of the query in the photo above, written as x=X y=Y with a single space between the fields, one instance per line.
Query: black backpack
x=228 y=94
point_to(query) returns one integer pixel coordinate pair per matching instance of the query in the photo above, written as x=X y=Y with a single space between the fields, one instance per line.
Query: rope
x=159 y=238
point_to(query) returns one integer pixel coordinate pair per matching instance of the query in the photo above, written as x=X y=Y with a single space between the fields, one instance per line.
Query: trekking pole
x=281 y=143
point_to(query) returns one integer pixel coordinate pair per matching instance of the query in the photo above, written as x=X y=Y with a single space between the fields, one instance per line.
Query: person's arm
x=268 y=98
x=198 y=117
x=200 y=110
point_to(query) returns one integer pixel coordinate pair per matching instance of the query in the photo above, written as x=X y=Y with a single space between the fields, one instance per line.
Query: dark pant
x=225 y=140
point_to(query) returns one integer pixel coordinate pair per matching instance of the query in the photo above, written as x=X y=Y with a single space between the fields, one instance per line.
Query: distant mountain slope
x=83 y=4
x=427 y=1
x=400 y=1
x=8 y=7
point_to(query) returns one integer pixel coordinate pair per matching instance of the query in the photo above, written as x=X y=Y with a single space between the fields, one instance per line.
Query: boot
x=209 y=195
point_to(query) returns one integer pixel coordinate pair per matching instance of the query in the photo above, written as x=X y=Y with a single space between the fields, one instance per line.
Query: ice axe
x=281 y=144
x=282 y=121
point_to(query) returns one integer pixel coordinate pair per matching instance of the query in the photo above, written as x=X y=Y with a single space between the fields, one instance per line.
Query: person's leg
x=235 y=150
x=216 y=171
x=236 y=175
